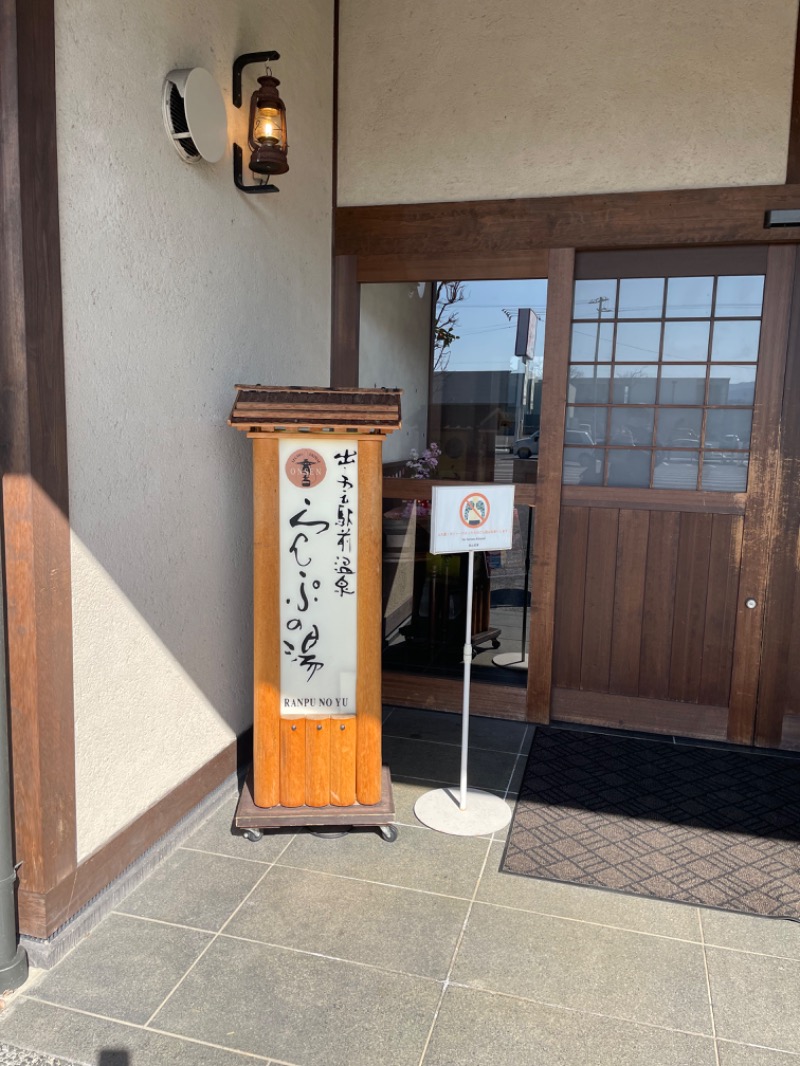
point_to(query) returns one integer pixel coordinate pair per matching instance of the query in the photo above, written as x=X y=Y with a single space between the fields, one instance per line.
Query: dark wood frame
x=33 y=458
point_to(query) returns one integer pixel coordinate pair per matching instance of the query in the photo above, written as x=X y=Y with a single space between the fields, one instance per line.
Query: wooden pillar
x=266 y=611
x=368 y=685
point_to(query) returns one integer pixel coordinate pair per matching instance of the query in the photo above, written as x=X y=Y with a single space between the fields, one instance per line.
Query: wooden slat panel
x=763 y=492
x=626 y=638
x=266 y=612
x=548 y=496
x=723 y=587
x=598 y=610
x=691 y=590
x=659 y=604
x=503 y=228
x=368 y=681
x=633 y=712
x=343 y=760
x=318 y=762
x=293 y=762
x=573 y=540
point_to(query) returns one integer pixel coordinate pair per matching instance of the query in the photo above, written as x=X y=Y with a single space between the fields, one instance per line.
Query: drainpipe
x=13 y=959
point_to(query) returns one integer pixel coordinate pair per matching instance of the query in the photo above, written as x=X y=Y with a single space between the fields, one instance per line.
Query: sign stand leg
x=472 y=812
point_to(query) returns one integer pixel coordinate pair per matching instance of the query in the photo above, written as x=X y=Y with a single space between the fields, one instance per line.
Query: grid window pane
x=689 y=297
x=583 y=466
x=728 y=429
x=671 y=406
x=638 y=342
x=592 y=342
x=732 y=385
x=679 y=427
x=588 y=384
x=740 y=295
x=686 y=341
x=632 y=425
x=736 y=341
x=594 y=296
x=634 y=384
x=629 y=467
x=682 y=384
x=641 y=298
x=722 y=475
x=585 y=426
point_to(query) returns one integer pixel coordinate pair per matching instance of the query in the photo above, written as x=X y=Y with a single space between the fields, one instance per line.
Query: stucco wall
x=394 y=353
x=176 y=287
x=460 y=100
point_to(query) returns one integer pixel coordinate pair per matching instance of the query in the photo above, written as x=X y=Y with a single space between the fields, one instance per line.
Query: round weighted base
x=485 y=813
x=512 y=660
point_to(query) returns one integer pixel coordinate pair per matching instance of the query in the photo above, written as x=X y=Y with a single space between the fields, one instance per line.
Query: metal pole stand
x=468 y=812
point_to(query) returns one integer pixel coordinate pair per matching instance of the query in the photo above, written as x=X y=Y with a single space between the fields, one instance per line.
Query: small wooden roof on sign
x=293 y=409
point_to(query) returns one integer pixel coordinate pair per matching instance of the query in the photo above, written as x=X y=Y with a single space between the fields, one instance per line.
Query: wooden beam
x=33 y=455
x=345 y=326
x=499 y=230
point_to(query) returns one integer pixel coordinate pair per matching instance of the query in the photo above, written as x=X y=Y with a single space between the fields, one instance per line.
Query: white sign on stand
x=467 y=518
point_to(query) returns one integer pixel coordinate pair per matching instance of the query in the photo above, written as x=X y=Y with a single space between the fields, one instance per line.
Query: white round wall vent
x=194 y=114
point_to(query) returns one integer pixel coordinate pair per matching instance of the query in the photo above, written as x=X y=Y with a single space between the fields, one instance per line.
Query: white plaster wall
x=394 y=353
x=176 y=287
x=460 y=99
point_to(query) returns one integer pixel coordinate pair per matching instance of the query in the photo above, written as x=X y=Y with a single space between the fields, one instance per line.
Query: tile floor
x=359 y=952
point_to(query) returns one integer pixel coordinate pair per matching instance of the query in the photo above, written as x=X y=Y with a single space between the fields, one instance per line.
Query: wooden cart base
x=253 y=819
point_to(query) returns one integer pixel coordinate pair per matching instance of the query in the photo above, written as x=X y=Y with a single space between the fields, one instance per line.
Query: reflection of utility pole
x=600 y=301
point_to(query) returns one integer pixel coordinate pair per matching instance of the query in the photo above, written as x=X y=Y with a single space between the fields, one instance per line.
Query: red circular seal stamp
x=474 y=510
x=305 y=468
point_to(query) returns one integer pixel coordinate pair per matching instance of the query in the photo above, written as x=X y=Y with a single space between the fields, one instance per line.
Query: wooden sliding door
x=672 y=373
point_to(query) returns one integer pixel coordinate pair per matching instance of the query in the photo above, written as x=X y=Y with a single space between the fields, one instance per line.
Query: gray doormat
x=700 y=825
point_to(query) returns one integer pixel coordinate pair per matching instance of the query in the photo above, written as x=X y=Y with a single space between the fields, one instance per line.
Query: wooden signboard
x=317 y=596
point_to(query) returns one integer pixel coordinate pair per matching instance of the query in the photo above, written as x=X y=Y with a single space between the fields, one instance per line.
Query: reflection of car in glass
x=683 y=457
x=526 y=447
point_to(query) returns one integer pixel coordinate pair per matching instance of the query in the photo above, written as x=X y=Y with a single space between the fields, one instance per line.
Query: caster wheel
x=253 y=835
x=389 y=832
x=495 y=643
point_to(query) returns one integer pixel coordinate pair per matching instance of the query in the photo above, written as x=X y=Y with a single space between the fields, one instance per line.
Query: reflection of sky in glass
x=638 y=341
x=485 y=334
x=593 y=295
x=736 y=340
x=689 y=297
x=740 y=296
x=732 y=385
x=641 y=297
x=686 y=340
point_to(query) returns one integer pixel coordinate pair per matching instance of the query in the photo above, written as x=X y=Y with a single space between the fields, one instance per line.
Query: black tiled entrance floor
x=357 y=952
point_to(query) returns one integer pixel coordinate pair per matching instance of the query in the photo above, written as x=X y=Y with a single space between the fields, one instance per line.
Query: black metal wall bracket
x=237 y=175
x=236 y=95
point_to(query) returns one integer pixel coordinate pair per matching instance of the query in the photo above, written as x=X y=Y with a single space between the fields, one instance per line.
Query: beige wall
x=176 y=287
x=460 y=99
x=394 y=353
